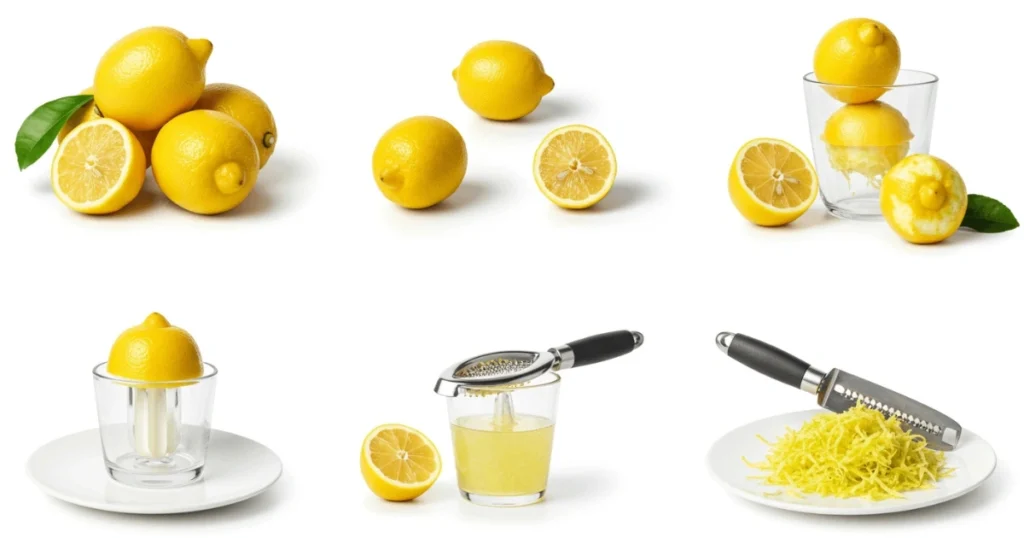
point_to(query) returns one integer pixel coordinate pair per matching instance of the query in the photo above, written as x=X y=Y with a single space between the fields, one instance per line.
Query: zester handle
x=598 y=348
x=770 y=361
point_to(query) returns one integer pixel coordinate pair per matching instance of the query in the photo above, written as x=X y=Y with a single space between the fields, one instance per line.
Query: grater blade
x=842 y=391
x=493 y=370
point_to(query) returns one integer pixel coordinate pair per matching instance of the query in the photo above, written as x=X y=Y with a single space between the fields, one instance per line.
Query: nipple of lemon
x=870 y=34
x=230 y=178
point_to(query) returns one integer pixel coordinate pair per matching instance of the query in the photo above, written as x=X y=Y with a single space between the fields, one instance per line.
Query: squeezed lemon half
x=574 y=166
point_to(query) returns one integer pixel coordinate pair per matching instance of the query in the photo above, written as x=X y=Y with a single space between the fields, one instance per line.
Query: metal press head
x=494 y=370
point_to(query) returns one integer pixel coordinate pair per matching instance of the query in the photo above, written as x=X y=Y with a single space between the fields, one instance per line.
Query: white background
x=329 y=310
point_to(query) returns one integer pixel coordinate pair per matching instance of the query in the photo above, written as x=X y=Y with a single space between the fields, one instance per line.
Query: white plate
x=71 y=469
x=974 y=461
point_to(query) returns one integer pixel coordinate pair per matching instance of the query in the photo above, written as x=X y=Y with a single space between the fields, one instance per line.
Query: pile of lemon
x=421 y=161
x=922 y=198
x=151 y=107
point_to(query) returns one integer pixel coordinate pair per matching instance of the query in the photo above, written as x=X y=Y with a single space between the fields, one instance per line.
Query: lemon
x=399 y=463
x=858 y=52
x=501 y=80
x=867 y=139
x=99 y=167
x=420 y=162
x=771 y=182
x=155 y=351
x=923 y=199
x=151 y=76
x=90 y=111
x=205 y=162
x=574 y=166
x=248 y=109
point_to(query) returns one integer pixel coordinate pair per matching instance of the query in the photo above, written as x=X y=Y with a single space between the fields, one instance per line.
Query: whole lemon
x=246 y=107
x=419 y=162
x=501 y=80
x=858 y=52
x=205 y=162
x=155 y=351
x=151 y=76
x=867 y=139
x=923 y=199
x=91 y=111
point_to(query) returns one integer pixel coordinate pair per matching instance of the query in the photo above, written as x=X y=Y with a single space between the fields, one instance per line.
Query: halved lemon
x=99 y=167
x=398 y=462
x=574 y=166
x=771 y=182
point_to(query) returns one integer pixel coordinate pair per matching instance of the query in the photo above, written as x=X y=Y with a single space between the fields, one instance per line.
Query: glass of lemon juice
x=856 y=144
x=502 y=438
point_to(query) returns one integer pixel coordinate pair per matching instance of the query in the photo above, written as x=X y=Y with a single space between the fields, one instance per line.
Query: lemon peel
x=856 y=454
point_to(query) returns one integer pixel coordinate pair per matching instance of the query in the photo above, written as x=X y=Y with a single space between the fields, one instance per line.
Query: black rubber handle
x=768 y=359
x=601 y=347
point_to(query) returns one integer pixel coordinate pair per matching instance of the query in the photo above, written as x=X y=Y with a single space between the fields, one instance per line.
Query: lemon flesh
x=99 y=167
x=205 y=162
x=575 y=166
x=502 y=80
x=866 y=139
x=923 y=199
x=151 y=76
x=771 y=182
x=248 y=109
x=399 y=463
x=420 y=162
x=860 y=53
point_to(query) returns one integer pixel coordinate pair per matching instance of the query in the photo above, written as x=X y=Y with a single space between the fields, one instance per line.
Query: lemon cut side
x=772 y=182
x=574 y=167
x=99 y=167
x=399 y=463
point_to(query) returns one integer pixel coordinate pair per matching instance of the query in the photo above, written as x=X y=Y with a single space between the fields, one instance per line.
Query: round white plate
x=974 y=461
x=71 y=469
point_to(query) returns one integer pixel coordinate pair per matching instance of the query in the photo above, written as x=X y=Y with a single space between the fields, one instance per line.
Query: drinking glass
x=855 y=145
x=502 y=439
x=154 y=435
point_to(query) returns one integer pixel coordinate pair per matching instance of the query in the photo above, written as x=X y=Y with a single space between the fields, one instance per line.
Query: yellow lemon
x=90 y=111
x=501 y=80
x=205 y=162
x=771 y=182
x=574 y=166
x=155 y=351
x=248 y=109
x=399 y=463
x=151 y=76
x=99 y=167
x=923 y=199
x=867 y=139
x=858 y=52
x=420 y=162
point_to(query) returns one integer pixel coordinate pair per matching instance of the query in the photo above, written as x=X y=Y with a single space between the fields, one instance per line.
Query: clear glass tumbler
x=502 y=440
x=154 y=435
x=855 y=145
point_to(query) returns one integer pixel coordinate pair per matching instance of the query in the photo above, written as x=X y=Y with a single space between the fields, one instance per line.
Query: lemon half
x=99 y=167
x=574 y=166
x=399 y=463
x=771 y=182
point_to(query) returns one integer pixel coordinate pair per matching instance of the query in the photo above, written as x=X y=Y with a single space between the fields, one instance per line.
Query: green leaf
x=988 y=215
x=40 y=129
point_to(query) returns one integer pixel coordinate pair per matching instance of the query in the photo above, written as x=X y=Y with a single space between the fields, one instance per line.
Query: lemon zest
x=856 y=454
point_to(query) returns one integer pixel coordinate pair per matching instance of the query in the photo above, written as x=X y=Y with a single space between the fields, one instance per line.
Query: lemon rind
x=798 y=210
x=594 y=198
x=113 y=191
x=396 y=483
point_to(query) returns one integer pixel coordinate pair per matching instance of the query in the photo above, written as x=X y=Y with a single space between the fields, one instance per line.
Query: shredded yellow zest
x=858 y=453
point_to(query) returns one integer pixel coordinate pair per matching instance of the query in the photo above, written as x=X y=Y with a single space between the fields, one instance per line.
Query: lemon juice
x=502 y=458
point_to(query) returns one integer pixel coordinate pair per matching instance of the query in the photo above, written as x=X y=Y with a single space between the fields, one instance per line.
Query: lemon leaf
x=988 y=215
x=42 y=126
